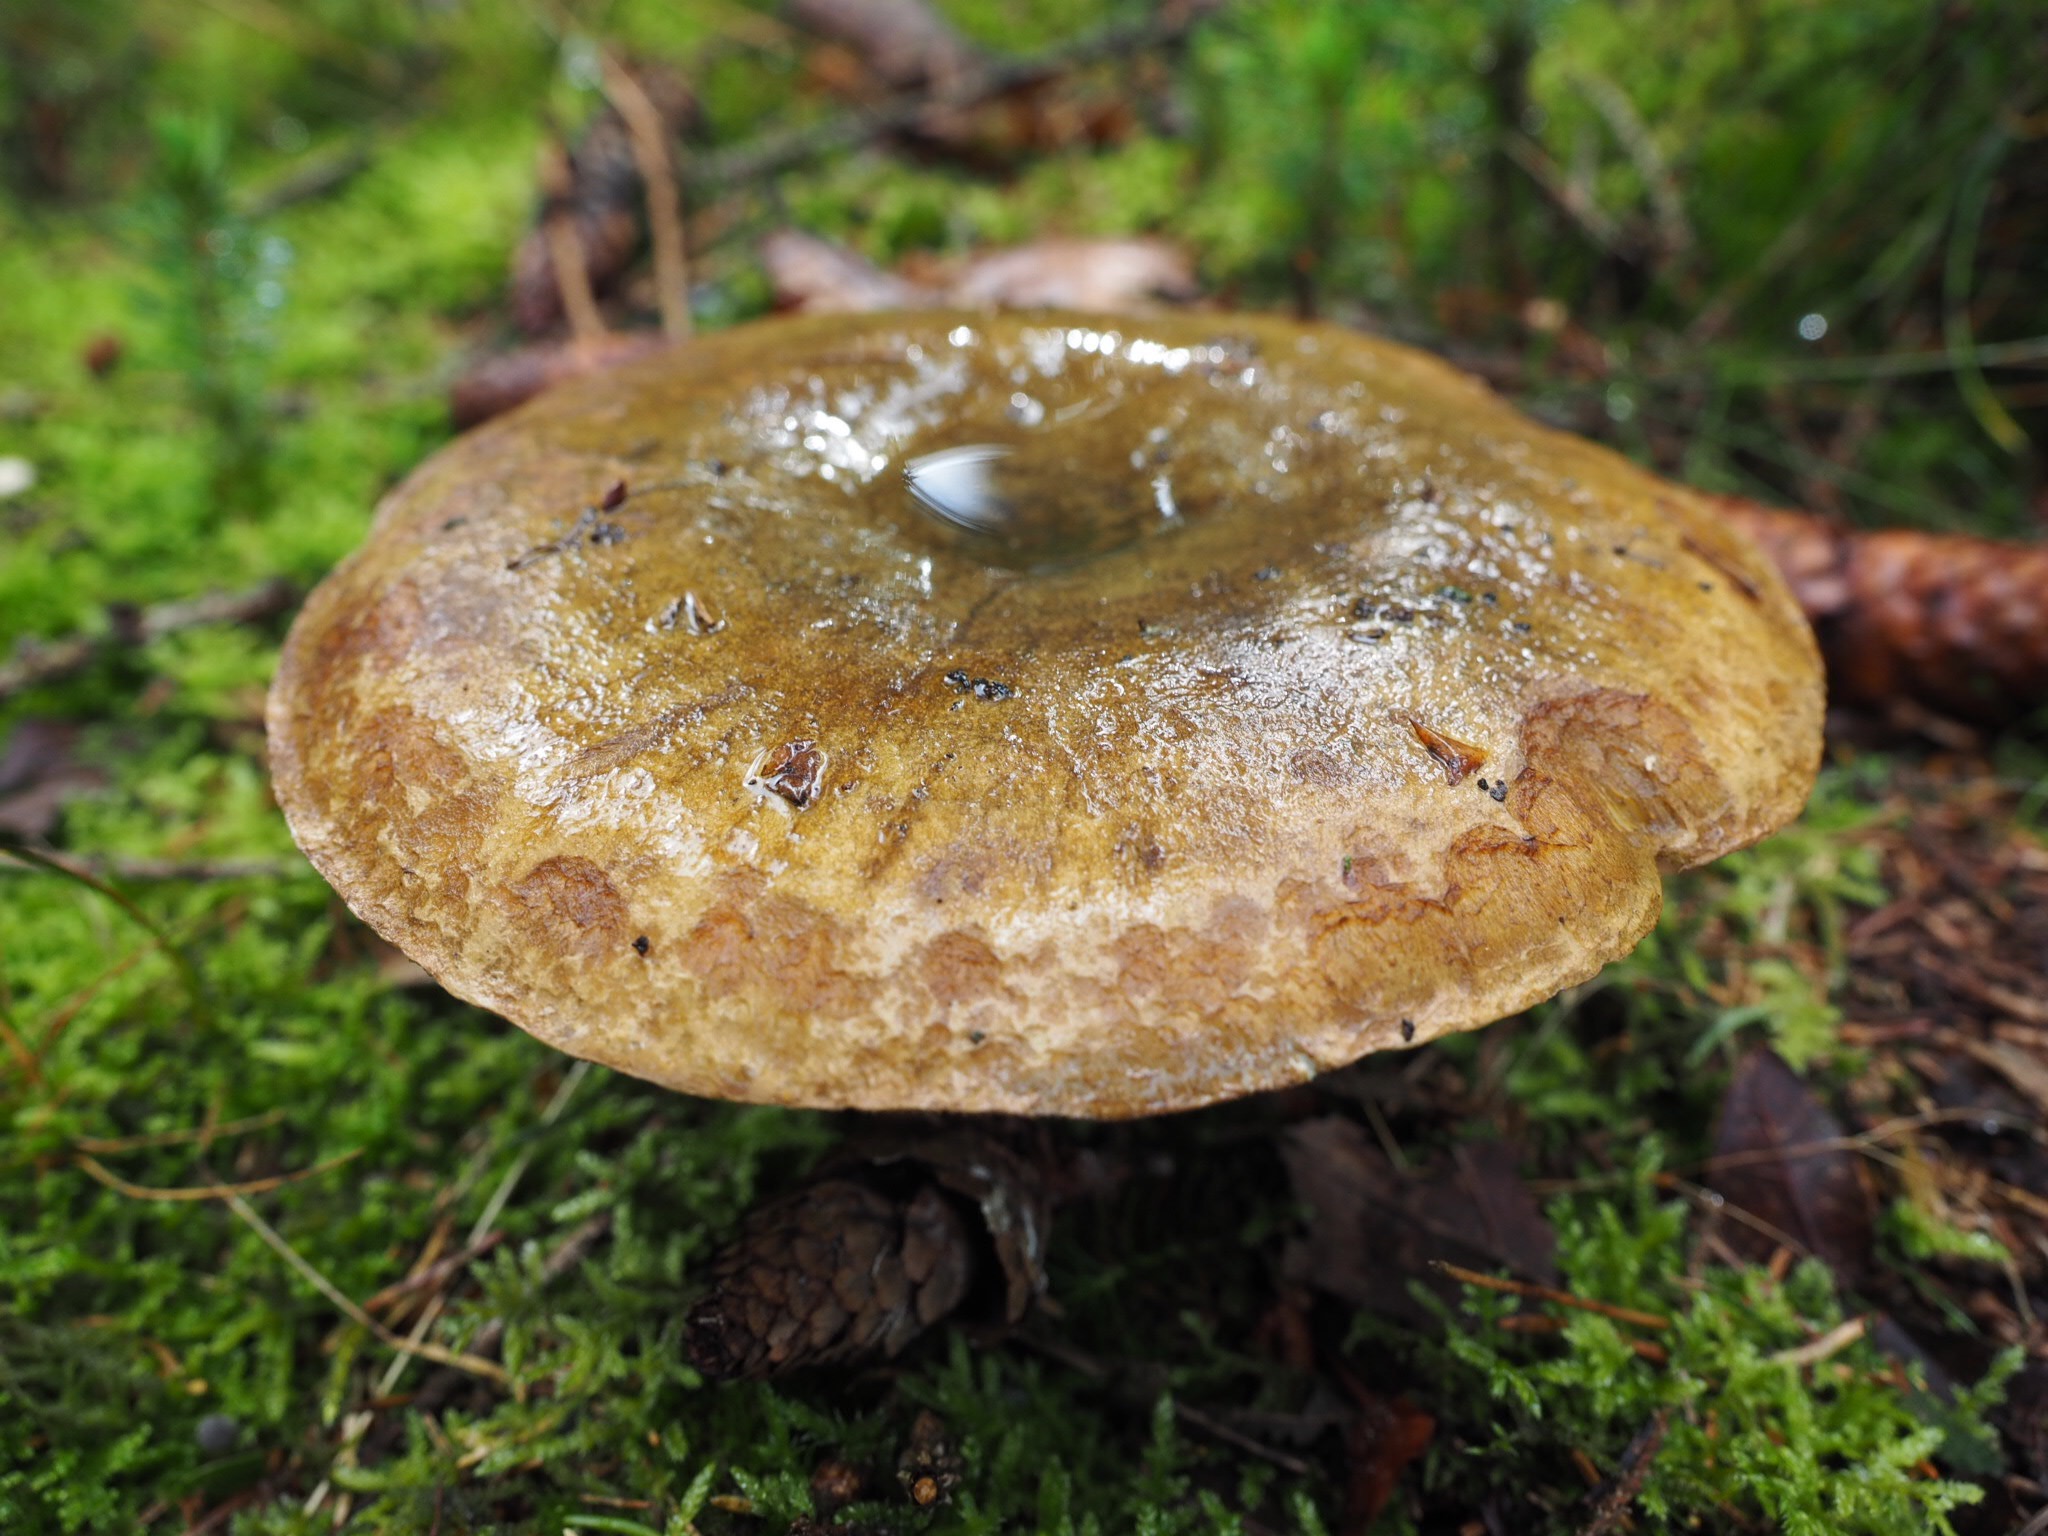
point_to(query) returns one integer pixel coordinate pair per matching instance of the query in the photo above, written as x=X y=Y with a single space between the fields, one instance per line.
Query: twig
x=218 y=1515
x=470 y=1364
x=24 y=1058
x=1868 y=1142
x=313 y=178
x=182 y=963
x=1674 y=233
x=557 y=1102
x=1570 y=199
x=1543 y=1322
x=485 y=1222
x=433 y=1275
x=100 y=1172
x=36 y=662
x=1216 y=1429
x=1545 y=1293
x=161 y=871
x=1611 y=1507
x=649 y=137
x=206 y=1133
x=1833 y=1342
x=566 y=256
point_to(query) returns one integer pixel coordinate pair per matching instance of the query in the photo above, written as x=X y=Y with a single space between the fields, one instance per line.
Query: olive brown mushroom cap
x=1274 y=695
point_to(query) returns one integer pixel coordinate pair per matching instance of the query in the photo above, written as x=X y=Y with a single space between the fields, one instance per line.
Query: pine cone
x=838 y=1269
x=1956 y=624
x=865 y=1257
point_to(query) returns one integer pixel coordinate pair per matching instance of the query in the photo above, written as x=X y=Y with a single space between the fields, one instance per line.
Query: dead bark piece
x=1779 y=1161
x=1955 y=624
x=769 y=155
x=497 y=384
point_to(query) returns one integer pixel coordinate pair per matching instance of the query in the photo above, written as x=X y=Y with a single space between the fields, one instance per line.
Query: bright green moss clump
x=1827 y=1448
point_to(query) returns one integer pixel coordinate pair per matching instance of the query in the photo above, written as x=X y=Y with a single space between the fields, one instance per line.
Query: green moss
x=1826 y=1446
x=280 y=369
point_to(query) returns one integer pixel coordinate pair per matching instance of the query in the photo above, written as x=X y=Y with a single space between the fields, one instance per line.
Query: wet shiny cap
x=1030 y=713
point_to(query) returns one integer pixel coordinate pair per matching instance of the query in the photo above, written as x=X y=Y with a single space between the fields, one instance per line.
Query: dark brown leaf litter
x=1963 y=942
x=945 y=97
x=1790 y=1181
x=856 y=1263
x=1948 y=987
x=1374 y=1229
x=1944 y=993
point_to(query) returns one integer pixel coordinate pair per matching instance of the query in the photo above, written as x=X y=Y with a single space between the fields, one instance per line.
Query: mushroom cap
x=1278 y=696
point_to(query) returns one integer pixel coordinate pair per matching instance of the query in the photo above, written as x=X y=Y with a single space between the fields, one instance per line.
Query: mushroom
x=1221 y=699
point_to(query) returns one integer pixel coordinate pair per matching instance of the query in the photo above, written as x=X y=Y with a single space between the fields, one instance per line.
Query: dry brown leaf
x=497 y=384
x=1374 y=1229
x=1779 y=1159
x=1106 y=275
x=39 y=774
x=820 y=277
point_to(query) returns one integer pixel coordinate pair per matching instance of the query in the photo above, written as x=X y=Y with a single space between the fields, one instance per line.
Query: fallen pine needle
x=473 y=1365
x=1545 y=1293
x=177 y=1138
x=649 y=136
x=24 y=1058
x=1833 y=1342
x=433 y=1275
x=105 y=1175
